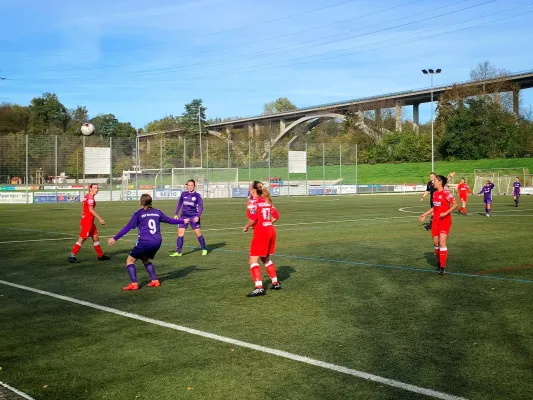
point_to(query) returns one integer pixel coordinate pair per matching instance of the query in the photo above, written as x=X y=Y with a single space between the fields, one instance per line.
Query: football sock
x=437 y=251
x=443 y=256
x=179 y=244
x=271 y=269
x=201 y=240
x=75 y=249
x=98 y=249
x=488 y=211
x=132 y=272
x=255 y=271
x=151 y=271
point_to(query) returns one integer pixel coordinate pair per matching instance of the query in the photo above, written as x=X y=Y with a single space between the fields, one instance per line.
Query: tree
x=13 y=118
x=485 y=70
x=104 y=124
x=282 y=104
x=167 y=123
x=48 y=114
x=78 y=116
x=189 y=119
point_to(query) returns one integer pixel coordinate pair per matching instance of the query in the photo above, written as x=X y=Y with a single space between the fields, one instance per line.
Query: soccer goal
x=502 y=178
x=207 y=179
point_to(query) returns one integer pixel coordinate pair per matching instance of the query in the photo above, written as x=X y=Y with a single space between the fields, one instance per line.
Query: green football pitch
x=362 y=314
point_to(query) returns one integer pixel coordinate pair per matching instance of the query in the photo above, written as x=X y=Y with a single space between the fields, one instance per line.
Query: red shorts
x=88 y=229
x=462 y=198
x=263 y=242
x=439 y=226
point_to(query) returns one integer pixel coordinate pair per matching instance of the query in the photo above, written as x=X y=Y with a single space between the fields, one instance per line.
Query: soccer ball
x=87 y=129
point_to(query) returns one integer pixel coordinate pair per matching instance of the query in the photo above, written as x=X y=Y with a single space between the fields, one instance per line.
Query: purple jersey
x=147 y=222
x=192 y=203
x=487 y=192
x=517 y=187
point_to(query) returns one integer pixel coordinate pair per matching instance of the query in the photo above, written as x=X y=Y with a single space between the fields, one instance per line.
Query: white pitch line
x=35 y=240
x=22 y=394
x=279 y=353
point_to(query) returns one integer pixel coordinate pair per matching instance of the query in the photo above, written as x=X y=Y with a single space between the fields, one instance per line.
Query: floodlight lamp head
x=424 y=71
x=431 y=71
x=438 y=70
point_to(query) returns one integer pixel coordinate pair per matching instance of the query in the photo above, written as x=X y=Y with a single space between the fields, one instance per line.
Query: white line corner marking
x=263 y=349
x=16 y=391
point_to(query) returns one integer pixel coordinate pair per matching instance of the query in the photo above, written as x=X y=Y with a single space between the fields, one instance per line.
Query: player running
x=261 y=216
x=464 y=190
x=147 y=221
x=517 y=188
x=443 y=205
x=88 y=228
x=487 y=196
x=193 y=207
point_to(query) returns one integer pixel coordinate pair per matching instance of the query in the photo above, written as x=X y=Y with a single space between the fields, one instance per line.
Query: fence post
x=323 y=169
x=83 y=155
x=27 y=171
x=356 y=162
x=306 y=166
x=184 y=154
x=269 y=159
x=55 y=164
x=288 y=172
x=207 y=154
x=340 y=168
x=249 y=163
x=161 y=159
x=229 y=163
x=110 y=168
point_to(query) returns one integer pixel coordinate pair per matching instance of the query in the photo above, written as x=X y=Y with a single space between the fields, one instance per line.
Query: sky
x=143 y=61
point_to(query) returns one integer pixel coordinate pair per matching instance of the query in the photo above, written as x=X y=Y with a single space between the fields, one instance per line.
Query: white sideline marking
x=263 y=349
x=22 y=394
x=35 y=240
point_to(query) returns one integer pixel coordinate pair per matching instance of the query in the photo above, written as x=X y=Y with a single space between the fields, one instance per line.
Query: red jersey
x=262 y=212
x=442 y=201
x=88 y=201
x=463 y=189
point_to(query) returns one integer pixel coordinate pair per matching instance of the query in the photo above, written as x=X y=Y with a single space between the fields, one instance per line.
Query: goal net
x=502 y=178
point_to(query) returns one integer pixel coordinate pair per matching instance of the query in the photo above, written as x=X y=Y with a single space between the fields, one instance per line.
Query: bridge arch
x=304 y=119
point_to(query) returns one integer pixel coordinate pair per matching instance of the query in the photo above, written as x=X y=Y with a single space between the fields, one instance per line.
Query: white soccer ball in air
x=87 y=129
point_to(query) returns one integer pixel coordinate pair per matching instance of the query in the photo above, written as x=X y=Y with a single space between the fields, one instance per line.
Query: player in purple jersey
x=487 y=196
x=516 y=191
x=146 y=220
x=192 y=206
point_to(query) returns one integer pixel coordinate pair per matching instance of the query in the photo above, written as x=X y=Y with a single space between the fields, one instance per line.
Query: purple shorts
x=488 y=201
x=516 y=194
x=194 y=225
x=142 y=250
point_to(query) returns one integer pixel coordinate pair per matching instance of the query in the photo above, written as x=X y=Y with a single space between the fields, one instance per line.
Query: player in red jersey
x=88 y=228
x=443 y=205
x=261 y=216
x=464 y=190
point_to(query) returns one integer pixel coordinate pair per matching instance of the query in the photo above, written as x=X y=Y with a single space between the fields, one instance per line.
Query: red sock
x=443 y=256
x=255 y=271
x=76 y=248
x=437 y=251
x=98 y=249
x=271 y=269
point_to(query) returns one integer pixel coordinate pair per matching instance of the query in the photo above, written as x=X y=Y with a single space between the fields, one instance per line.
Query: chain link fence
x=58 y=168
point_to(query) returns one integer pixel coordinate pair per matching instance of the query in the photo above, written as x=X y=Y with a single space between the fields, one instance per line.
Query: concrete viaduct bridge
x=312 y=116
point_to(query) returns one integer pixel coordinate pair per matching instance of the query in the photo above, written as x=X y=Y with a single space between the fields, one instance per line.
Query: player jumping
x=516 y=191
x=443 y=205
x=193 y=207
x=88 y=228
x=464 y=191
x=147 y=220
x=261 y=216
x=487 y=196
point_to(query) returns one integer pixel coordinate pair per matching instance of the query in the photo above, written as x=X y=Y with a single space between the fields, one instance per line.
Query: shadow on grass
x=284 y=272
x=210 y=248
x=181 y=273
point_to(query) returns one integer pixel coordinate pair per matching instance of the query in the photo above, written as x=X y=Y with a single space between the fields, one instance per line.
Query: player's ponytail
x=267 y=196
x=146 y=201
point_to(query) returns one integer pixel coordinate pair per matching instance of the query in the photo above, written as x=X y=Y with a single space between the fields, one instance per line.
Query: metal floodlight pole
x=432 y=72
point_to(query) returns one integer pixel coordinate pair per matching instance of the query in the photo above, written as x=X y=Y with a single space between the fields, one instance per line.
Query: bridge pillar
x=398 y=117
x=250 y=131
x=516 y=102
x=257 y=129
x=281 y=126
x=378 y=115
x=497 y=98
x=416 y=116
